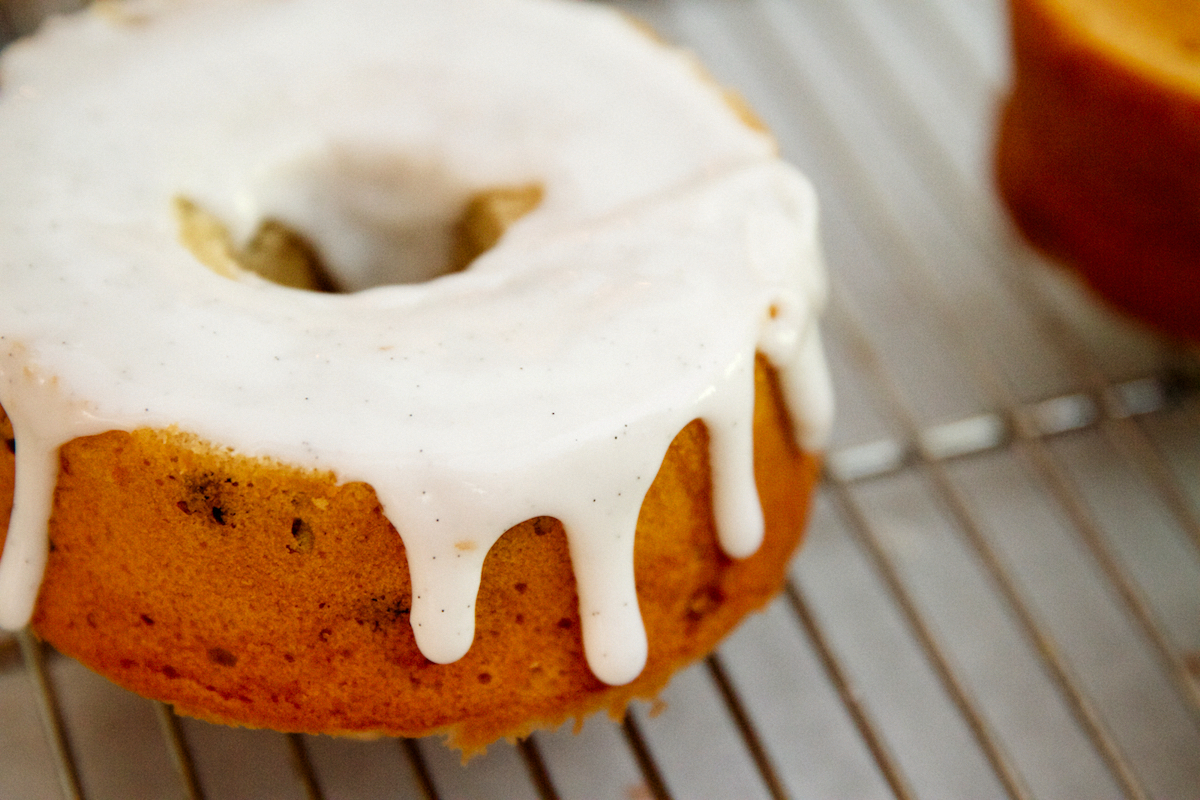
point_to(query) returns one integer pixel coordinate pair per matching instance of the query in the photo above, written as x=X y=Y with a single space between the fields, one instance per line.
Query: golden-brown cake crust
x=1098 y=156
x=249 y=592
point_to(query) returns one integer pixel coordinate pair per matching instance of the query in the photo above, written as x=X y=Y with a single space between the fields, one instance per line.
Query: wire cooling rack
x=1000 y=595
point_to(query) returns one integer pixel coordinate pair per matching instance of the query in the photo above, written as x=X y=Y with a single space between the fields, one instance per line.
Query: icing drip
x=43 y=416
x=549 y=378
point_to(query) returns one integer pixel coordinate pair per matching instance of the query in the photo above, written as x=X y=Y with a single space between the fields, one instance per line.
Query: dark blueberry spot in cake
x=520 y=587
x=11 y=444
x=53 y=547
x=302 y=533
x=147 y=619
x=485 y=677
x=241 y=698
x=170 y=672
x=520 y=619
x=543 y=525
x=565 y=623
x=128 y=663
x=288 y=657
x=219 y=655
x=208 y=495
x=703 y=601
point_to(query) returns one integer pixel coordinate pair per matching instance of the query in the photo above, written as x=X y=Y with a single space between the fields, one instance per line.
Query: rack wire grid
x=1000 y=592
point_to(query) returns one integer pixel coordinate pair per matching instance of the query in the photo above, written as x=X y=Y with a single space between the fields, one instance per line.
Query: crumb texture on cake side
x=263 y=595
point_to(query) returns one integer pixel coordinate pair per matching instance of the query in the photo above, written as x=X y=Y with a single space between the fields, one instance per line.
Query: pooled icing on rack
x=548 y=378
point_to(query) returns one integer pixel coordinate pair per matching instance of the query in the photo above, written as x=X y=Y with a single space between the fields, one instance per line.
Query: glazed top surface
x=548 y=378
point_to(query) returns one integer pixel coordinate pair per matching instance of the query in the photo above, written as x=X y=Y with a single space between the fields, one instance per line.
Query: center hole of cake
x=345 y=222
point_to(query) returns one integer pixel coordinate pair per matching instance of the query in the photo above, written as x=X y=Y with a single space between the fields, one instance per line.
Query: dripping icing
x=587 y=342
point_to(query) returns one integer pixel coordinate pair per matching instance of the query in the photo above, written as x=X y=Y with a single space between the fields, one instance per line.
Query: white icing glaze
x=547 y=379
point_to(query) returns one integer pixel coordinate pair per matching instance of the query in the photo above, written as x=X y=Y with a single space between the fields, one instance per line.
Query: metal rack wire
x=1000 y=596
